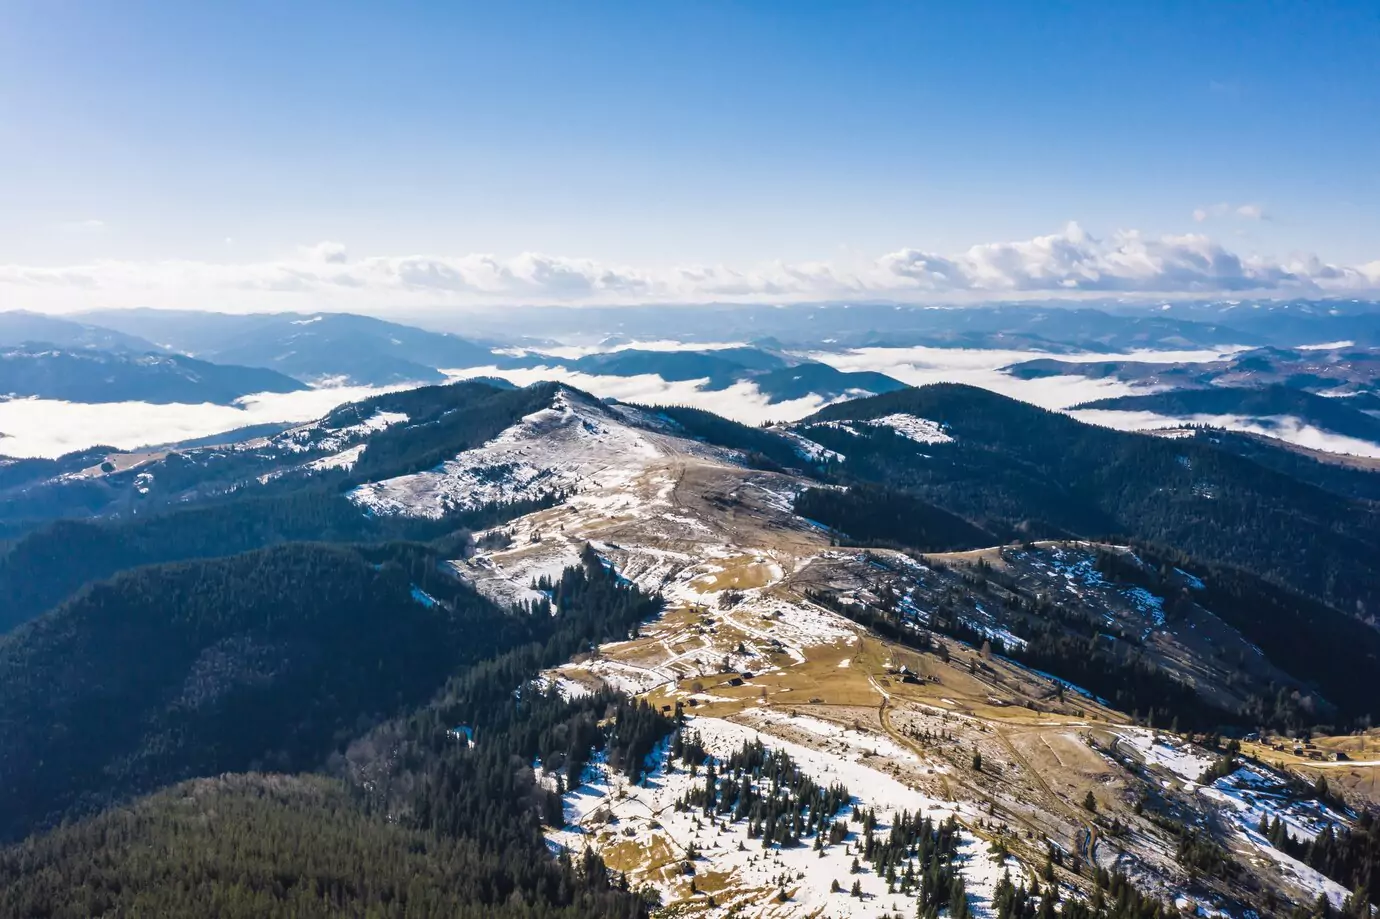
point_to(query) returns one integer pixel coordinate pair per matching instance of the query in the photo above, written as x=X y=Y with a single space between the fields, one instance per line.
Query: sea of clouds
x=41 y=427
x=50 y=428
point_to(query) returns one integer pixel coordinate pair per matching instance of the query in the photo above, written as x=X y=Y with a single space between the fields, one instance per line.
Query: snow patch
x=345 y=459
x=920 y=430
x=606 y=810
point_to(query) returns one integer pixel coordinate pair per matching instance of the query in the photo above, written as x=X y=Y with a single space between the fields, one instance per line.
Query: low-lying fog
x=50 y=428
x=38 y=427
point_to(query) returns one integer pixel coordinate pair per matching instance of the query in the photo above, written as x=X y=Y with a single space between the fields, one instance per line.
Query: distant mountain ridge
x=317 y=347
x=1337 y=371
x=779 y=377
x=1051 y=327
x=93 y=376
x=1332 y=415
x=18 y=327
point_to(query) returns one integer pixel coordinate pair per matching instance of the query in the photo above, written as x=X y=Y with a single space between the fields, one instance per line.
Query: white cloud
x=742 y=401
x=49 y=427
x=1069 y=262
x=90 y=225
x=1223 y=209
x=1283 y=427
x=920 y=366
x=40 y=427
x=325 y=252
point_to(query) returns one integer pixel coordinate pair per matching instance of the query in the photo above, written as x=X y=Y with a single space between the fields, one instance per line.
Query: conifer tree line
x=1348 y=855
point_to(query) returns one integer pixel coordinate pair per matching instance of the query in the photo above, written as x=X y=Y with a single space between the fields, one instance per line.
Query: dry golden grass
x=745 y=572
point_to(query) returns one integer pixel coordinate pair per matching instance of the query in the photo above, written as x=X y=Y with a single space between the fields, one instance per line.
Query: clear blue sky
x=660 y=133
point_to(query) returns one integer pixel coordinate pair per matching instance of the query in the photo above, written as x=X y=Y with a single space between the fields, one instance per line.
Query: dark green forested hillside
x=426 y=826
x=253 y=845
x=1013 y=462
x=873 y=516
x=763 y=447
x=265 y=660
x=51 y=563
x=1328 y=650
x=269 y=846
x=1329 y=474
x=442 y=421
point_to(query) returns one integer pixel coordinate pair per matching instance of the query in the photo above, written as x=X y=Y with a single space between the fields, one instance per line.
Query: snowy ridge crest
x=572 y=445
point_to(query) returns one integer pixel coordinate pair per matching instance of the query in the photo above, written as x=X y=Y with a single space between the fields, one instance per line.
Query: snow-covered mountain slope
x=899 y=675
x=731 y=865
x=575 y=444
x=751 y=647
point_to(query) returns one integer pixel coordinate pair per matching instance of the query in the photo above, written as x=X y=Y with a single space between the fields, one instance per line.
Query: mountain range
x=1333 y=371
x=323 y=347
x=95 y=376
x=1278 y=402
x=777 y=376
x=458 y=620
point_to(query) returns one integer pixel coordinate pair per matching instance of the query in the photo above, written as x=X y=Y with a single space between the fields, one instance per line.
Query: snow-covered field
x=639 y=825
x=808 y=449
x=1252 y=794
x=1255 y=793
x=920 y=430
x=911 y=427
x=1166 y=751
x=345 y=459
x=1245 y=798
x=317 y=436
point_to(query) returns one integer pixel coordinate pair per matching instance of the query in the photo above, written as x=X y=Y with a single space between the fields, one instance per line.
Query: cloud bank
x=50 y=427
x=1283 y=427
x=325 y=275
x=38 y=427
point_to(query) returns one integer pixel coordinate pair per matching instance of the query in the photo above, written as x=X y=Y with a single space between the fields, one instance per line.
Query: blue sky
x=649 y=136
